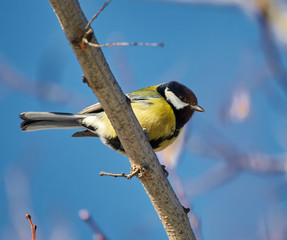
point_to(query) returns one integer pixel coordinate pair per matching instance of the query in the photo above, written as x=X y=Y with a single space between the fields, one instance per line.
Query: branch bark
x=141 y=156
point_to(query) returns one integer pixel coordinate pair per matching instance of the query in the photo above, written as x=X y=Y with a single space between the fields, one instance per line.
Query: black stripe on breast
x=155 y=143
x=115 y=144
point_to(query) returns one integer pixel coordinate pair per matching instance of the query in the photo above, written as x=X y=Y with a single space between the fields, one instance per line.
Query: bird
x=161 y=110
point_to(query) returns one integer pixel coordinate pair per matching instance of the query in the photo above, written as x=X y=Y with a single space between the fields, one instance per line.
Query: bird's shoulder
x=144 y=94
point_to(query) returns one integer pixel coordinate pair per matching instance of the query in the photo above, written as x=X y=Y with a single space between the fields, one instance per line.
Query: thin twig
x=97 y=14
x=125 y=44
x=270 y=50
x=127 y=176
x=85 y=39
x=87 y=218
x=11 y=78
x=33 y=227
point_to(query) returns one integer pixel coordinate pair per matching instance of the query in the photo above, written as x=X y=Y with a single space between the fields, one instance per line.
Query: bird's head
x=180 y=97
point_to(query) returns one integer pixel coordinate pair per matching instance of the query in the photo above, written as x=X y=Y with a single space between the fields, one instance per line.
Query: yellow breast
x=157 y=118
x=155 y=115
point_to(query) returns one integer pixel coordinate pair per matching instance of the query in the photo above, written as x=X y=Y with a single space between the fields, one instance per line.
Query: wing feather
x=95 y=108
x=133 y=97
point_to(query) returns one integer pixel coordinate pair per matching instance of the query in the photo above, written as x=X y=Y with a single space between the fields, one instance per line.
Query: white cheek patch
x=174 y=100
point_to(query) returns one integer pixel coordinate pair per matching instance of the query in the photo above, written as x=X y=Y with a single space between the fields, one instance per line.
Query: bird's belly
x=158 y=120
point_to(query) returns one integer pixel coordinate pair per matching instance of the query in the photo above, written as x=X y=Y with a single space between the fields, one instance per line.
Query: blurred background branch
x=231 y=166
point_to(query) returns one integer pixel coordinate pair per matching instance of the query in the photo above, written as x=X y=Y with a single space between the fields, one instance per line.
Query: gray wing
x=131 y=98
x=141 y=99
x=92 y=109
x=98 y=107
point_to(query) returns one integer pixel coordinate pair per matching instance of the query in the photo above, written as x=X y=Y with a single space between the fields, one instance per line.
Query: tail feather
x=85 y=133
x=51 y=116
x=34 y=121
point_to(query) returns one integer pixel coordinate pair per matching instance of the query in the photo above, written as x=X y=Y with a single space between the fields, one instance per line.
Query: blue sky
x=216 y=51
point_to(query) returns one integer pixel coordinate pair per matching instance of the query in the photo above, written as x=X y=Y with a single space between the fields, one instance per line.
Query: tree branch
x=33 y=226
x=141 y=156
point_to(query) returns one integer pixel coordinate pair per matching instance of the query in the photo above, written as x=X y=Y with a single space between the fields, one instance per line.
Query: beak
x=197 y=108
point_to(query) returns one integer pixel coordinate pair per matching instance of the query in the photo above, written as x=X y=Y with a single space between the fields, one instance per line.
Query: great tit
x=161 y=110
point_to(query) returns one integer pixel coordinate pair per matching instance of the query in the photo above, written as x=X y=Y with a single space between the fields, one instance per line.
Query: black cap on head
x=183 y=93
